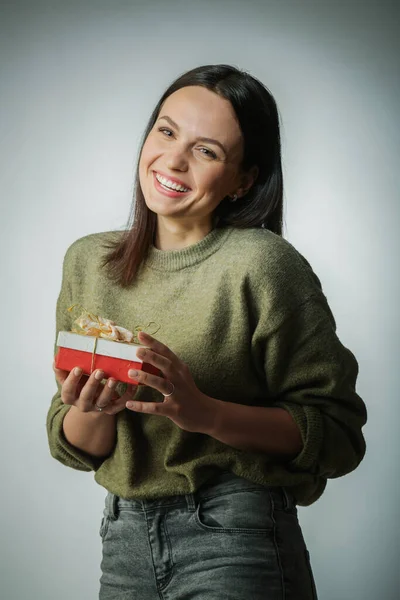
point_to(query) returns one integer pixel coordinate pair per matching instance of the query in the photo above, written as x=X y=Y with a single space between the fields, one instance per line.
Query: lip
x=173 y=179
x=165 y=192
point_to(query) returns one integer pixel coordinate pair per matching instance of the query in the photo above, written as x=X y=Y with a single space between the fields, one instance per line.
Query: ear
x=247 y=181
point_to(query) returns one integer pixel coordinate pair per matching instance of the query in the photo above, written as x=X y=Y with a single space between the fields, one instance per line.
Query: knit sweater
x=247 y=314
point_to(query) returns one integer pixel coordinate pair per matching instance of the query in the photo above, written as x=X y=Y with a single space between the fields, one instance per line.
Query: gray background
x=78 y=83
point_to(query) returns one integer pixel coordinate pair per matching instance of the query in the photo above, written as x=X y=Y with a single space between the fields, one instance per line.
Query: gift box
x=91 y=353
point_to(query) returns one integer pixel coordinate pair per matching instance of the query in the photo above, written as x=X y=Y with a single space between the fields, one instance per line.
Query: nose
x=176 y=160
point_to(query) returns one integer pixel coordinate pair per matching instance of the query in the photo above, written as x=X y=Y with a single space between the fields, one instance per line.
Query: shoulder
x=268 y=254
x=276 y=273
x=89 y=247
x=258 y=240
x=92 y=242
x=84 y=258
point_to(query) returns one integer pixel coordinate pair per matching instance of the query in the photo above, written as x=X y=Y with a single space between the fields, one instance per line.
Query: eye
x=164 y=129
x=208 y=152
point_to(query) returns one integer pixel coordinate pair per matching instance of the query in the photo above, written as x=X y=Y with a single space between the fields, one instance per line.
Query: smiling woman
x=255 y=408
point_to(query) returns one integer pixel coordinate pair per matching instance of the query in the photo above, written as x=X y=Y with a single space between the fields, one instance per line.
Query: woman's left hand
x=187 y=406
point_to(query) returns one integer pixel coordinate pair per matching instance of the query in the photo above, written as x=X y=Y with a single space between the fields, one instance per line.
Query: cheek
x=151 y=149
x=218 y=181
x=146 y=158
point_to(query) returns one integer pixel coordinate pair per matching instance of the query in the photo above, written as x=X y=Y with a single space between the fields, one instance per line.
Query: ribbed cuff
x=310 y=423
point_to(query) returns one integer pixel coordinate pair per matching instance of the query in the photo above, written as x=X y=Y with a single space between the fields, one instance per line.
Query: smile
x=170 y=185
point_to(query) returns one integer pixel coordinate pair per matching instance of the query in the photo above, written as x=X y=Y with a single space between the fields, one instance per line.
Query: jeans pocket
x=243 y=511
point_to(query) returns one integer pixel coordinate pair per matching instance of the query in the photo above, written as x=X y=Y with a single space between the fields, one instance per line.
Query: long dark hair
x=262 y=206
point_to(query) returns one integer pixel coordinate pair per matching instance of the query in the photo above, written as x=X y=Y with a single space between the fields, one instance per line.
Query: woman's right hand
x=84 y=392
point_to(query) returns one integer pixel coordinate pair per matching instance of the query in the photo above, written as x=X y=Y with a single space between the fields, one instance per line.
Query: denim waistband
x=224 y=482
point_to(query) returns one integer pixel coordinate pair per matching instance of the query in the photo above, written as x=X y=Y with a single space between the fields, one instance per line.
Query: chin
x=158 y=209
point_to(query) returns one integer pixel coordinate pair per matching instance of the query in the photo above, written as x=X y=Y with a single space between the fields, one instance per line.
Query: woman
x=256 y=406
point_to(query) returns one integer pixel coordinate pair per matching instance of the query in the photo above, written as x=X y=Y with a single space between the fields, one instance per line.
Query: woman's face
x=196 y=143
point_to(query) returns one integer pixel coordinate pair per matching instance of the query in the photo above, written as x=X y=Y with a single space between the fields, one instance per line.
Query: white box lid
x=86 y=343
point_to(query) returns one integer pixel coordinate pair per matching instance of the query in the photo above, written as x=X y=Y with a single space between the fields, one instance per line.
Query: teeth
x=170 y=184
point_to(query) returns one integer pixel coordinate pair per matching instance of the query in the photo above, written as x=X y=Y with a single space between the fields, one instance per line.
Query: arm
x=76 y=430
x=257 y=429
x=91 y=432
x=313 y=377
x=77 y=439
x=74 y=436
x=315 y=418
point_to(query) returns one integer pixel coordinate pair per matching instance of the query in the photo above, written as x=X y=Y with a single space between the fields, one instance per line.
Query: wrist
x=212 y=416
x=95 y=415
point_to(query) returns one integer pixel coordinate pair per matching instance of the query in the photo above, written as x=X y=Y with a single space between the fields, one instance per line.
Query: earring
x=234 y=198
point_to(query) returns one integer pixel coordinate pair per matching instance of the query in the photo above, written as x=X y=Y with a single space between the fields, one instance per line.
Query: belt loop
x=112 y=506
x=288 y=500
x=191 y=503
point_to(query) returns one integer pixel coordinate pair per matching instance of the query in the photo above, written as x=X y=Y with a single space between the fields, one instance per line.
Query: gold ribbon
x=93 y=355
x=98 y=327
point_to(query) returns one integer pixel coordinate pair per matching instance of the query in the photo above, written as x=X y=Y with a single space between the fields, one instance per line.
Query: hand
x=84 y=392
x=187 y=406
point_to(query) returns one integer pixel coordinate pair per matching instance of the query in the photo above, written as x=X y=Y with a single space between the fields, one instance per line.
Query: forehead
x=201 y=112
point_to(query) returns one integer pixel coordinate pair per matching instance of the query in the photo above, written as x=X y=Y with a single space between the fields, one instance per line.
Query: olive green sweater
x=244 y=310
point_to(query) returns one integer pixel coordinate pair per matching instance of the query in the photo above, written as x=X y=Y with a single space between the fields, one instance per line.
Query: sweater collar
x=175 y=260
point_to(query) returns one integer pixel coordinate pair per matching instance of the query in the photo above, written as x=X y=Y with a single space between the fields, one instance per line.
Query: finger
x=147 y=407
x=81 y=383
x=106 y=395
x=157 y=360
x=130 y=392
x=157 y=346
x=89 y=392
x=157 y=383
x=69 y=391
x=119 y=403
x=60 y=374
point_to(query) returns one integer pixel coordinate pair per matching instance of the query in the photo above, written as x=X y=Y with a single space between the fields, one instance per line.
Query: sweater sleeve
x=313 y=376
x=60 y=448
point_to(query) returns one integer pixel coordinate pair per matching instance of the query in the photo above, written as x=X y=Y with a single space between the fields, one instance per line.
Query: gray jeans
x=230 y=540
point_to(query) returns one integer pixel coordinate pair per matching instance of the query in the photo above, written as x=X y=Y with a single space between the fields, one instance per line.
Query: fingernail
x=132 y=373
x=99 y=375
x=112 y=383
x=77 y=371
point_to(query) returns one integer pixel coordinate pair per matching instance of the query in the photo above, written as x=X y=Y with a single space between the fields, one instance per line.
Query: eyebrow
x=201 y=139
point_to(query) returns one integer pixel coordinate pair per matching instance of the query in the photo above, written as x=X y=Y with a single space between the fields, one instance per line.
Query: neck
x=171 y=235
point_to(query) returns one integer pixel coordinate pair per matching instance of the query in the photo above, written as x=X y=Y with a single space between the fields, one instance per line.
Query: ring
x=173 y=389
x=99 y=408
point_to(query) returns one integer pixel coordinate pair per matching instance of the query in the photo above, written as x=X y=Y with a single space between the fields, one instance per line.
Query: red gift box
x=91 y=353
